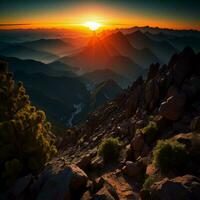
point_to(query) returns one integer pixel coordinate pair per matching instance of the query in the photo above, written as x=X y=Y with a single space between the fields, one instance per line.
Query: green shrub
x=150 y=132
x=109 y=149
x=26 y=141
x=149 y=181
x=169 y=155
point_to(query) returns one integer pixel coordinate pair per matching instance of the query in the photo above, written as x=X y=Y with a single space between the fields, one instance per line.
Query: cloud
x=14 y=24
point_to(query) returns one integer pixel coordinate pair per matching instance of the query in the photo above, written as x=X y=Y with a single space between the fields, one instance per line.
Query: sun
x=93 y=26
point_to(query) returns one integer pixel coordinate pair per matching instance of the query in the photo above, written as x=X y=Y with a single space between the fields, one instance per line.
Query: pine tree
x=26 y=141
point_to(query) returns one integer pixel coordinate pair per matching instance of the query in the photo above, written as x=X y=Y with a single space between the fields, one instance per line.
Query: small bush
x=109 y=149
x=149 y=181
x=169 y=155
x=150 y=132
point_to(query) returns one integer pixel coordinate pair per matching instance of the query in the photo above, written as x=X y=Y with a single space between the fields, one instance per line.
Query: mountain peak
x=188 y=51
x=138 y=34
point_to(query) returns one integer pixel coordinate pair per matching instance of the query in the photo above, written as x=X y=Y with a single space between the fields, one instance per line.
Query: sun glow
x=93 y=26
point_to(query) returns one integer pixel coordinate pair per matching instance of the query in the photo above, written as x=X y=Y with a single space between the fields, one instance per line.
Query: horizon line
x=70 y=24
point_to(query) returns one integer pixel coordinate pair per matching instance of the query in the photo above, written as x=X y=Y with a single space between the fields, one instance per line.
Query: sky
x=177 y=14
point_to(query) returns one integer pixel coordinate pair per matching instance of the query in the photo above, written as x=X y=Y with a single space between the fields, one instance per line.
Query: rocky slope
x=162 y=106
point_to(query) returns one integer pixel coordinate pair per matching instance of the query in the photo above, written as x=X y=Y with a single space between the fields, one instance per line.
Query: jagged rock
x=184 y=187
x=97 y=163
x=151 y=94
x=183 y=65
x=86 y=196
x=119 y=187
x=62 y=182
x=131 y=169
x=85 y=161
x=173 y=107
x=103 y=194
x=134 y=169
x=153 y=71
x=141 y=124
x=134 y=99
x=137 y=142
x=162 y=123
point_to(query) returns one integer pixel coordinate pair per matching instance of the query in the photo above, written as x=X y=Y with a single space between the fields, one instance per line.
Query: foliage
x=169 y=155
x=109 y=149
x=150 y=180
x=26 y=141
x=150 y=132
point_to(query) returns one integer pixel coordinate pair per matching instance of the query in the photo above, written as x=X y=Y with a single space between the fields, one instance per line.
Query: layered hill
x=53 y=46
x=54 y=94
x=162 y=49
x=111 y=52
x=104 y=92
x=98 y=76
x=22 y=52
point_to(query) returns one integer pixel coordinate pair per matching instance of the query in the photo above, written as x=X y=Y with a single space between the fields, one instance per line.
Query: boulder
x=62 y=183
x=173 y=107
x=86 y=196
x=184 y=187
x=85 y=161
x=103 y=194
x=137 y=142
x=97 y=163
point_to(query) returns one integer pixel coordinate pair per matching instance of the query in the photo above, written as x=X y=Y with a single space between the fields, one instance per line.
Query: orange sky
x=108 y=16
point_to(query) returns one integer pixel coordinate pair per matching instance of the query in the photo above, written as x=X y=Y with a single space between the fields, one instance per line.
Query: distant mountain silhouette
x=53 y=46
x=112 y=52
x=22 y=52
x=142 y=56
x=161 y=49
x=99 y=76
x=156 y=30
x=105 y=91
x=32 y=66
x=48 y=92
x=125 y=67
x=181 y=42
x=93 y=56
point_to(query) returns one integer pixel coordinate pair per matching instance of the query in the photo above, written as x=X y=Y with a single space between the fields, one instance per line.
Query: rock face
x=134 y=169
x=62 y=183
x=173 y=107
x=152 y=94
x=183 y=65
x=185 y=188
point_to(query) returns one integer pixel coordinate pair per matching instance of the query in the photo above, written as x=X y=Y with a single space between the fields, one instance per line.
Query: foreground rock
x=62 y=183
x=184 y=188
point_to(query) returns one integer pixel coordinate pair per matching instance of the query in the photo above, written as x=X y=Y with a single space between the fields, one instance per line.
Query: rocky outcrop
x=152 y=94
x=183 y=65
x=184 y=187
x=173 y=107
x=136 y=170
